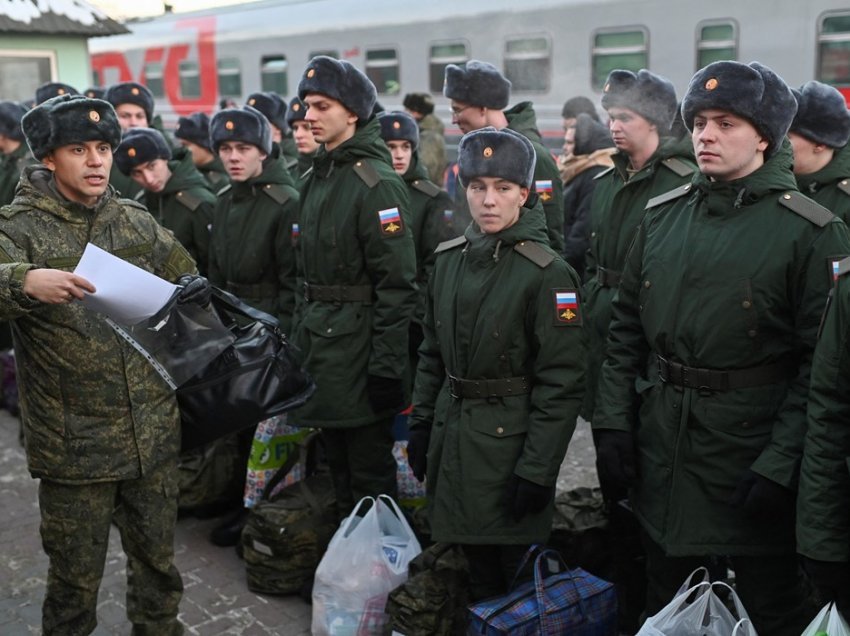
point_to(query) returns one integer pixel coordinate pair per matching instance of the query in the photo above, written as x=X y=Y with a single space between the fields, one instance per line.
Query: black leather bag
x=253 y=379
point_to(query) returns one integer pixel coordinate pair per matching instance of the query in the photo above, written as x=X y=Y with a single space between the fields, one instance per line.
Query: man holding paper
x=102 y=428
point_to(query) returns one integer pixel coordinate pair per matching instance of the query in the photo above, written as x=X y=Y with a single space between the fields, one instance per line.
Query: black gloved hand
x=616 y=462
x=526 y=497
x=832 y=579
x=196 y=289
x=384 y=394
x=762 y=499
x=417 y=451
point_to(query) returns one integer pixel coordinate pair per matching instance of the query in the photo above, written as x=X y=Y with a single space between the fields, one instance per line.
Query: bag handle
x=346 y=525
x=305 y=446
x=689 y=582
x=233 y=305
x=534 y=549
x=739 y=607
x=544 y=605
x=399 y=514
x=742 y=627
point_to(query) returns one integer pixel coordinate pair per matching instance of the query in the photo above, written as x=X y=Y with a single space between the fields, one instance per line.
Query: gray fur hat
x=649 y=95
x=131 y=93
x=574 y=106
x=477 y=83
x=342 y=81
x=421 y=103
x=822 y=115
x=591 y=135
x=10 y=120
x=241 y=124
x=53 y=89
x=139 y=146
x=751 y=91
x=397 y=125
x=296 y=112
x=488 y=152
x=271 y=105
x=70 y=119
x=95 y=92
x=195 y=128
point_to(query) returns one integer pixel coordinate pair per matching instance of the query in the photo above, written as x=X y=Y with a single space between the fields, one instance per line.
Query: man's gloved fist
x=384 y=394
x=417 y=451
x=762 y=499
x=526 y=497
x=832 y=579
x=616 y=463
x=196 y=289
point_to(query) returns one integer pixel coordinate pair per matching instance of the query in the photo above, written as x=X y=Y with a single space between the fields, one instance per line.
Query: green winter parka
x=215 y=174
x=616 y=209
x=830 y=186
x=492 y=313
x=722 y=276
x=93 y=409
x=355 y=233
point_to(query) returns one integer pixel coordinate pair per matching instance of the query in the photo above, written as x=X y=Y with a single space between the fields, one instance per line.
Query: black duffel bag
x=254 y=378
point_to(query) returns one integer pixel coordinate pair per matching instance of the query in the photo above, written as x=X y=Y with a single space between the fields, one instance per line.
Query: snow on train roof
x=56 y=17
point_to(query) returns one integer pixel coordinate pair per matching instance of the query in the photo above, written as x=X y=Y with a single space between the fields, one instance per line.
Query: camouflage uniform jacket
x=93 y=409
x=432 y=147
x=11 y=166
x=830 y=186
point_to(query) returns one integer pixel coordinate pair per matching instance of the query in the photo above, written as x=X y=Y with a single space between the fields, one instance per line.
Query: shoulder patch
x=604 y=172
x=450 y=244
x=844 y=186
x=805 y=207
x=277 y=193
x=535 y=253
x=426 y=187
x=567 y=307
x=390 y=222
x=678 y=166
x=668 y=196
x=189 y=200
x=543 y=189
x=367 y=173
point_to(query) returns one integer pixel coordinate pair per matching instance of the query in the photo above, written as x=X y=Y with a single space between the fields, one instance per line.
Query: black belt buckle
x=306 y=288
x=454 y=385
x=662 y=368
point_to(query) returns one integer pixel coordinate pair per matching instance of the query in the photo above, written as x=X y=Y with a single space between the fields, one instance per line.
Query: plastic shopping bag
x=365 y=560
x=274 y=441
x=829 y=622
x=696 y=610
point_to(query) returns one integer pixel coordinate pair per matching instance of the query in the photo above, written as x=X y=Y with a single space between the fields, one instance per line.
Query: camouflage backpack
x=211 y=474
x=286 y=535
x=580 y=530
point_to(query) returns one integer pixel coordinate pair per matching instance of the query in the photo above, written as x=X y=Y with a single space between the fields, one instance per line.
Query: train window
x=834 y=50
x=326 y=53
x=626 y=49
x=443 y=54
x=716 y=41
x=153 y=79
x=23 y=71
x=190 y=79
x=229 y=77
x=528 y=63
x=273 y=74
x=382 y=69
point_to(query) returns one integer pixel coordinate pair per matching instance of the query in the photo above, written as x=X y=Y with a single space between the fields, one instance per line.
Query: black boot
x=230 y=531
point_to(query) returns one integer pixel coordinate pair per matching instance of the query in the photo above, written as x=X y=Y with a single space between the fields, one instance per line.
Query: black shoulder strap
x=668 y=196
x=678 y=166
x=806 y=208
x=189 y=200
x=426 y=187
x=535 y=253
x=844 y=186
x=277 y=193
x=447 y=245
x=367 y=173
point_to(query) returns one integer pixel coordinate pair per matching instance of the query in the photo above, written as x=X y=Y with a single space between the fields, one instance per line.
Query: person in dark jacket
x=274 y=108
x=305 y=143
x=193 y=132
x=14 y=152
x=134 y=104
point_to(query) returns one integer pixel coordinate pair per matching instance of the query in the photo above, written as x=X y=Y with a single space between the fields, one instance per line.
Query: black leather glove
x=526 y=497
x=417 y=451
x=384 y=394
x=616 y=462
x=832 y=579
x=761 y=499
x=196 y=289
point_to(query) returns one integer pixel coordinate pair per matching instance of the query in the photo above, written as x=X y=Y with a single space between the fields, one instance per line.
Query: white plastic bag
x=696 y=610
x=365 y=560
x=827 y=621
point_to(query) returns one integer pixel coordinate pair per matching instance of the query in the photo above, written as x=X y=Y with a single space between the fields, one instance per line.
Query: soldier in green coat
x=102 y=428
x=274 y=108
x=702 y=408
x=305 y=144
x=479 y=94
x=819 y=135
x=193 y=132
x=14 y=153
x=134 y=104
x=358 y=262
x=501 y=370
x=175 y=192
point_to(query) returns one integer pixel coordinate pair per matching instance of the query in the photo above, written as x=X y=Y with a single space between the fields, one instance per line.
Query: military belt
x=256 y=290
x=337 y=293
x=607 y=277
x=501 y=387
x=719 y=380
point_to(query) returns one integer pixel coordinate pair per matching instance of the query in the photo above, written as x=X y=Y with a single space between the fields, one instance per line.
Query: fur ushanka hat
x=195 y=128
x=70 y=119
x=822 y=115
x=53 y=89
x=396 y=125
x=488 y=152
x=477 y=83
x=241 y=124
x=10 y=120
x=296 y=112
x=140 y=145
x=421 y=103
x=342 y=81
x=271 y=105
x=131 y=93
x=649 y=95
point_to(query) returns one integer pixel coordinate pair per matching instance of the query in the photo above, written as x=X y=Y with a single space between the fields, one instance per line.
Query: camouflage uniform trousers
x=75 y=522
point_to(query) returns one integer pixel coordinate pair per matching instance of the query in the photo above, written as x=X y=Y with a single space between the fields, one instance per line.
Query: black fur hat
x=271 y=105
x=139 y=146
x=488 y=152
x=95 y=92
x=649 y=95
x=477 y=83
x=131 y=93
x=296 y=112
x=52 y=89
x=70 y=119
x=751 y=91
x=194 y=128
x=822 y=115
x=10 y=120
x=591 y=135
x=241 y=124
x=421 y=103
x=396 y=125
x=342 y=81
x=574 y=106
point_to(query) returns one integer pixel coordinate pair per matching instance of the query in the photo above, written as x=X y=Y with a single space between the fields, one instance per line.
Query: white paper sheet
x=125 y=293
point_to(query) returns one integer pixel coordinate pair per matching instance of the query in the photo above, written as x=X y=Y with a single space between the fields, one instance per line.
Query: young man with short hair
x=193 y=132
x=305 y=144
x=432 y=141
x=274 y=108
x=133 y=102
